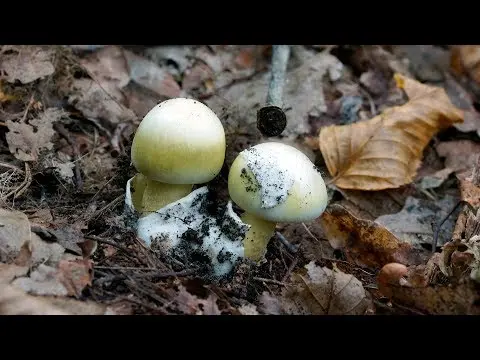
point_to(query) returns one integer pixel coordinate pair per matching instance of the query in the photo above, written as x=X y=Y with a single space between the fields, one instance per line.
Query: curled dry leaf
x=385 y=151
x=321 y=291
x=26 y=140
x=27 y=63
x=365 y=242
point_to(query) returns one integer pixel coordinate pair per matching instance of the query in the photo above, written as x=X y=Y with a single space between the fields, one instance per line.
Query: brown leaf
x=365 y=242
x=190 y=304
x=27 y=64
x=14 y=301
x=321 y=291
x=108 y=67
x=26 y=140
x=465 y=60
x=455 y=299
x=75 y=275
x=95 y=102
x=385 y=151
x=460 y=155
x=195 y=77
x=469 y=192
x=148 y=74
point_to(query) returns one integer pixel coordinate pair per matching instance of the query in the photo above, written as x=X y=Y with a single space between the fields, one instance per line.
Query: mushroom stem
x=149 y=195
x=258 y=236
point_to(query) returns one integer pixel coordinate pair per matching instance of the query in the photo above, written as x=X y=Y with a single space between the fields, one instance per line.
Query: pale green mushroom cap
x=278 y=183
x=179 y=141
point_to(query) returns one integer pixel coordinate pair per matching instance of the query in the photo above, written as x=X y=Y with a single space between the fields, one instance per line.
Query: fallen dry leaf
x=75 y=275
x=248 y=309
x=148 y=74
x=413 y=224
x=321 y=291
x=269 y=305
x=42 y=281
x=14 y=301
x=69 y=237
x=469 y=190
x=464 y=100
x=385 y=151
x=26 y=140
x=95 y=102
x=436 y=179
x=465 y=60
x=454 y=299
x=108 y=67
x=190 y=304
x=27 y=63
x=460 y=155
x=365 y=242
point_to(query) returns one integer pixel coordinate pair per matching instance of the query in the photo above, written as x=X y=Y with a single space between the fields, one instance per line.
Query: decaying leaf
x=470 y=188
x=248 y=309
x=148 y=74
x=436 y=179
x=26 y=140
x=14 y=301
x=190 y=304
x=75 y=275
x=108 y=67
x=385 y=151
x=465 y=60
x=460 y=155
x=95 y=102
x=453 y=299
x=413 y=224
x=321 y=291
x=42 y=281
x=27 y=63
x=365 y=242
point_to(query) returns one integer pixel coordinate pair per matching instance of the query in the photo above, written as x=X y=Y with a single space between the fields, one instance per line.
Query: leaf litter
x=66 y=249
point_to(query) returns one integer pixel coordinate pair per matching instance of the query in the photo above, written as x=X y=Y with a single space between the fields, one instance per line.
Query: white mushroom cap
x=278 y=183
x=179 y=141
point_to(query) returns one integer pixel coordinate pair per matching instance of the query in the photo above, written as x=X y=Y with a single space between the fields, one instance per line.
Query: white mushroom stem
x=258 y=236
x=150 y=195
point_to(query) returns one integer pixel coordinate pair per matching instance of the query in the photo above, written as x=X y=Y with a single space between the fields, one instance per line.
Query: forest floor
x=394 y=130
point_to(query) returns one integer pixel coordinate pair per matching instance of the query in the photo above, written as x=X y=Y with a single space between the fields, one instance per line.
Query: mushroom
x=179 y=143
x=273 y=182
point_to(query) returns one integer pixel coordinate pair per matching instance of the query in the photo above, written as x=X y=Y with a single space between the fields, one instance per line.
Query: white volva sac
x=220 y=238
x=274 y=182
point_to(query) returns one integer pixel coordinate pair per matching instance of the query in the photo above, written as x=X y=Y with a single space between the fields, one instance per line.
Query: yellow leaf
x=385 y=151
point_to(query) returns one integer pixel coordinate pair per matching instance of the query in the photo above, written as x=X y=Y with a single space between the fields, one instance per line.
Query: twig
x=64 y=133
x=23 y=186
x=290 y=269
x=436 y=233
x=271 y=120
x=108 y=242
x=272 y=281
x=289 y=246
x=125 y=268
x=115 y=141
